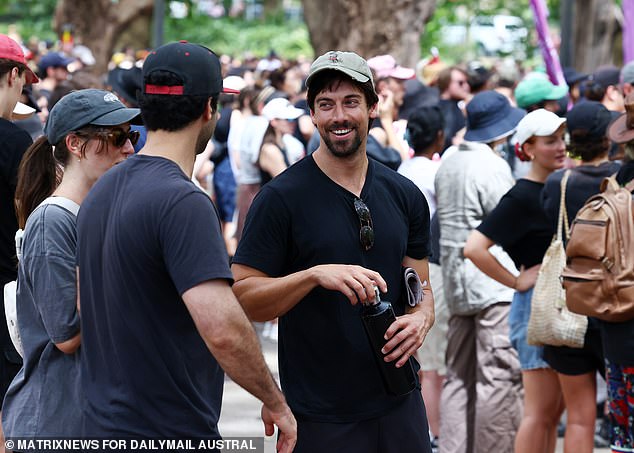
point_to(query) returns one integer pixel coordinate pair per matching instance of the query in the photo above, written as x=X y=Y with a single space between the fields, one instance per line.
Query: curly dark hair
x=585 y=147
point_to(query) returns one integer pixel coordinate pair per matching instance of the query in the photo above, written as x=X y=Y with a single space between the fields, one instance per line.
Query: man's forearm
x=228 y=334
x=243 y=361
x=265 y=298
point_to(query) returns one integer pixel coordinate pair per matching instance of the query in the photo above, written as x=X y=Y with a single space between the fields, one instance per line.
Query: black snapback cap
x=196 y=65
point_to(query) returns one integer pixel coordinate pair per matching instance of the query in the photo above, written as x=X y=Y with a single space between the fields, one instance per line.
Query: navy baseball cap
x=197 y=66
x=83 y=107
x=53 y=60
x=589 y=116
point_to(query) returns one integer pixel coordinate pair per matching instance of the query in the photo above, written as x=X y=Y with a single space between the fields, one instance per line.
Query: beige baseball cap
x=349 y=63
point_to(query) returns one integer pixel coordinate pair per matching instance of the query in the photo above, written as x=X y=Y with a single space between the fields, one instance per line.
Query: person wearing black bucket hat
x=154 y=273
x=469 y=184
x=86 y=134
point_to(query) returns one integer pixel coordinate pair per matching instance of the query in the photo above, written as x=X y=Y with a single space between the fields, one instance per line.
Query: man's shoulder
x=142 y=181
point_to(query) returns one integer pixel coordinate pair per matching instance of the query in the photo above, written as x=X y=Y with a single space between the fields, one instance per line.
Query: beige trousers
x=481 y=401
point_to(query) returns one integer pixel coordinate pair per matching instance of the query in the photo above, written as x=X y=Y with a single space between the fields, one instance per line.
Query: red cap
x=11 y=50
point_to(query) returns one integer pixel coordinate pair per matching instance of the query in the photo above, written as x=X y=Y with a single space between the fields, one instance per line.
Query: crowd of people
x=195 y=196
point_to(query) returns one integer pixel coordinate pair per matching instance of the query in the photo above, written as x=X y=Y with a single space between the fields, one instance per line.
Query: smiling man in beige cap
x=318 y=240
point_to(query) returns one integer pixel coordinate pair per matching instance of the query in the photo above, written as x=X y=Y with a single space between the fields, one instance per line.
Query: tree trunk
x=369 y=27
x=99 y=23
x=595 y=32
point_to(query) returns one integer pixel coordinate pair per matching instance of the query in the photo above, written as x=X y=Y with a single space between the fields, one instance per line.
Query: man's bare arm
x=231 y=339
x=265 y=298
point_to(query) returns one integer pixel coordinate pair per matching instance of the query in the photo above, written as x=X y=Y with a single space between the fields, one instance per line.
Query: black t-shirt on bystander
x=519 y=225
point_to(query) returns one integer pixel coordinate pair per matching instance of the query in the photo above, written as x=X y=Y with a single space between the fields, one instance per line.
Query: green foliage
x=237 y=36
x=461 y=11
x=31 y=17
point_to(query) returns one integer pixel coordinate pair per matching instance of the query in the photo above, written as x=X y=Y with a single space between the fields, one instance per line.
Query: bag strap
x=63 y=202
x=563 y=214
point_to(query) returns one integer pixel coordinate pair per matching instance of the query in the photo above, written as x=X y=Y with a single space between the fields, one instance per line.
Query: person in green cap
x=535 y=91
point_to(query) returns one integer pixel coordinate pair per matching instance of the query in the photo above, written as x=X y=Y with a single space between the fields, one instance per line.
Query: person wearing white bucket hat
x=469 y=184
x=520 y=226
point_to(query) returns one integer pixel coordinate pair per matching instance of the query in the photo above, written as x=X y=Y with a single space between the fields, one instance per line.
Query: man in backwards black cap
x=159 y=320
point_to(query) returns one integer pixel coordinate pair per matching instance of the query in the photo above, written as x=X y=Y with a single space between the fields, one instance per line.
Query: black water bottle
x=377 y=316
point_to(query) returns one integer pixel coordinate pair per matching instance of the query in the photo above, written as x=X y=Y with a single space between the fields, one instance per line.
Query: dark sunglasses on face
x=118 y=137
x=366 y=231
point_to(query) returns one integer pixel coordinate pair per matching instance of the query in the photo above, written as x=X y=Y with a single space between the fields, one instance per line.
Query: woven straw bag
x=551 y=323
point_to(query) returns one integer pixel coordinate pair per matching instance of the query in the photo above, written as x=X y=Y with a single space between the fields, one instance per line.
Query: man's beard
x=343 y=148
x=204 y=137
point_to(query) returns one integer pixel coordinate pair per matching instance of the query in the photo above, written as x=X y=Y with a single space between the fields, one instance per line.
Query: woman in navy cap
x=87 y=132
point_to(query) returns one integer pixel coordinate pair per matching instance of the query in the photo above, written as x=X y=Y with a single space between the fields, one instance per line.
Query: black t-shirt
x=302 y=219
x=146 y=235
x=519 y=225
x=583 y=182
x=626 y=172
x=14 y=141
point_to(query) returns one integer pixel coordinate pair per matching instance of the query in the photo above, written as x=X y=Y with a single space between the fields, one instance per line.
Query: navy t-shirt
x=146 y=235
x=302 y=219
x=519 y=224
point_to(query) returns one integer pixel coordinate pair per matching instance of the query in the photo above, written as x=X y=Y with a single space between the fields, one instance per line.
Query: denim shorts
x=531 y=357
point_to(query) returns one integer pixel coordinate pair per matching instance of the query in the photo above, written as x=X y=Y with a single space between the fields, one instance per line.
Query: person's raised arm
x=231 y=339
x=265 y=298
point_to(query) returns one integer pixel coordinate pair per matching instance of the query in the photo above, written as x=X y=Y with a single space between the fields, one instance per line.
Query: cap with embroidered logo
x=349 y=63
x=83 y=107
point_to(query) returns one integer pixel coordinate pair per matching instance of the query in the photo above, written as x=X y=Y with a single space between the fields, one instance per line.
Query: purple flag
x=628 y=31
x=549 y=53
